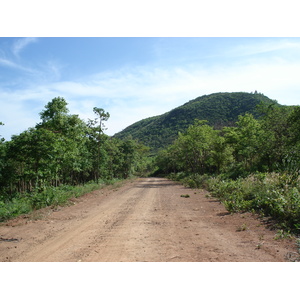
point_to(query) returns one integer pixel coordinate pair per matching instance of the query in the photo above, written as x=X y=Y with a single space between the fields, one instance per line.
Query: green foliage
x=185 y=196
x=219 y=109
x=23 y=203
x=246 y=157
x=199 y=150
x=247 y=140
x=194 y=180
x=41 y=166
x=58 y=196
x=1 y=139
x=252 y=166
x=267 y=194
x=13 y=208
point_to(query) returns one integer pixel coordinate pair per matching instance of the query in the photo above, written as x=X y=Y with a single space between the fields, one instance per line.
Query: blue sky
x=135 y=78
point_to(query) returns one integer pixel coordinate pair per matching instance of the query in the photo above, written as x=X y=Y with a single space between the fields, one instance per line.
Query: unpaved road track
x=143 y=220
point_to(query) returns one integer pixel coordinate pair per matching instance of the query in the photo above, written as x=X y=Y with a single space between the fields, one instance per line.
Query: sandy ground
x=147 y=219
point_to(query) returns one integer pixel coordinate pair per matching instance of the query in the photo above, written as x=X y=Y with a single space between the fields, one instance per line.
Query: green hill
x=219 y=109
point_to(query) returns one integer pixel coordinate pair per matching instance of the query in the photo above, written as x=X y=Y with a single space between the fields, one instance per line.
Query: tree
x=102 y=117
x=97 y=139
x=167 y=161
x=53 y=117
x=196 y=146
x=293 y=122
x=2 y=139
x=247 y=140
x=221 y=154
x=32 y=155
x=199 y=150
x=2 y=159
x=72 y=157
x=276 y=122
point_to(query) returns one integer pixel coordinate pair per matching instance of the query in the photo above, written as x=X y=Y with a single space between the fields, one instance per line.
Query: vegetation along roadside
x=246 y=154
x=251 y=166
x=62 y=157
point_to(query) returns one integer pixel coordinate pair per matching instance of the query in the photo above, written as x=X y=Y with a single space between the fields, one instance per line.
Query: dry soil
x=148 y=219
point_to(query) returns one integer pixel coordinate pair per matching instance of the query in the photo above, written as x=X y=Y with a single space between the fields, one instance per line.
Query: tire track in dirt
x=76 y=240
x=143 y=220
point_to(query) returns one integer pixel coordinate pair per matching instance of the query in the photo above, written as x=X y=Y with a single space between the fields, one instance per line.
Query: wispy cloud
x=263 y=46
x=20 y=44
x=11 y=64
x=11 y=61
x=135 y=93
x=8 y=63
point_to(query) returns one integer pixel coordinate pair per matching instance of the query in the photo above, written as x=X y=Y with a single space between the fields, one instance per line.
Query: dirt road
x=147 y=219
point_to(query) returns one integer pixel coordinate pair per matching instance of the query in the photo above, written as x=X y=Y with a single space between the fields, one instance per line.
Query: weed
x=243 y=227
x=259 y=245
x=185 y=196
x=281 y=234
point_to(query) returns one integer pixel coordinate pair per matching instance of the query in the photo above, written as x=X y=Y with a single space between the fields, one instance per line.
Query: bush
x=54 y=196
x=13 y=208
x=268 y=194
x=23 y=203
x=195 y=181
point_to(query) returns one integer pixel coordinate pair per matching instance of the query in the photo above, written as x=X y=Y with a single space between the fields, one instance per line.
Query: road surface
x=143 y=220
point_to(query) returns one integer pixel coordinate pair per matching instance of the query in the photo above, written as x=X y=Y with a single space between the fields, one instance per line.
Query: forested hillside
x=219 y=109
x=252 y=166
x=243 y=147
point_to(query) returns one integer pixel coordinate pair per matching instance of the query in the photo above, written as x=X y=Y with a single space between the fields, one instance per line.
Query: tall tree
x=97 y=139
x=102 y=117
x=72 y=157
x=247 y=140
x=54 y=114
x=2 y=159
x=277 y=126
x=1 y=124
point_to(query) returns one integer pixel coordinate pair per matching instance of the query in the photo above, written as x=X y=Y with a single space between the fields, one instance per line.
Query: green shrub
x=194 y=181
x=23 y=203
x=271 y=194
x=13 y=208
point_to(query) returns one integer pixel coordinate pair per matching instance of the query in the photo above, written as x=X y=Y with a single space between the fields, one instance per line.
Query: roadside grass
x=24 y=203
x=275 y=195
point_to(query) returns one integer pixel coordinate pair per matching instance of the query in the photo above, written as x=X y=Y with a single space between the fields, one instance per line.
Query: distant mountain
x=219 y=109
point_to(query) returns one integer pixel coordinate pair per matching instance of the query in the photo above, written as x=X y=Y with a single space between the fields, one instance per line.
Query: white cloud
x=7 y=63
x=21 y=44
x=130 y=95
x=265 y=46
x=10 y=64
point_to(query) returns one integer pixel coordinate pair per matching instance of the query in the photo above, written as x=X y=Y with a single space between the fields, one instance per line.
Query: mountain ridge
x=219 y=109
